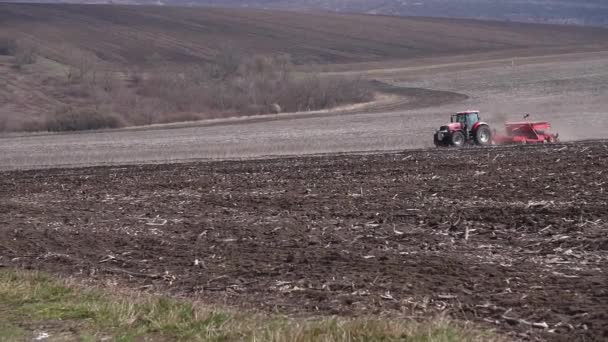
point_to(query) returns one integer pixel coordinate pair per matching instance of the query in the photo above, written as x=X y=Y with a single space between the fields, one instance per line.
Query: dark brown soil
x=513 y=238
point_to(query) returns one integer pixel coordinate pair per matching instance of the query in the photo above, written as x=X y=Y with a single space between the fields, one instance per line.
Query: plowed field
x=512 y=238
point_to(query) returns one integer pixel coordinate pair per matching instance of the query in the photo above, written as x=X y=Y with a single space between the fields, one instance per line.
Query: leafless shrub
x=228 y=60
x=81 y=64
x=108 y=82
x=259 y=85
x=237 y=86
x=317 y=92
x=32 y=125
x=75 y=119
x=10 y=122
x=145 y=110
x=25 y=54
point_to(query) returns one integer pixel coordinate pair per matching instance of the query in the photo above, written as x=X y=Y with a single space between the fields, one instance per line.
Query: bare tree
x=25 y=53
x=228 y=59
x=81 y=64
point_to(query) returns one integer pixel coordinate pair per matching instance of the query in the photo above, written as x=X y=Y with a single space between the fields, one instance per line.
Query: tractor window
x=472 y=119
x=467 y=119
x=462 y=119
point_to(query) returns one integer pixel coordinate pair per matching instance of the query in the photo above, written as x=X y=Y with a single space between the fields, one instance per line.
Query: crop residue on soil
x=513 y=238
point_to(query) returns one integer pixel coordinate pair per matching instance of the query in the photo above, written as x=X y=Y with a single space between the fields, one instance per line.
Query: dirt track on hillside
x=511 y=238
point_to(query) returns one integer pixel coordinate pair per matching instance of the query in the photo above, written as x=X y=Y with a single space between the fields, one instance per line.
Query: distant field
x=137 y=35
x=570 y=91
x=580 y=12
x=103 y=66
x=117 y=49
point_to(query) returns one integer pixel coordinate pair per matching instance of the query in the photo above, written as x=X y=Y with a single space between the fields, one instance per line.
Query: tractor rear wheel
x=483 y=136
x=457 y=139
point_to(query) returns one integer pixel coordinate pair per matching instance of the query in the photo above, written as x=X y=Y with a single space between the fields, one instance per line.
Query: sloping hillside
x=151 y=64
x=137 y=35
x=579 y=12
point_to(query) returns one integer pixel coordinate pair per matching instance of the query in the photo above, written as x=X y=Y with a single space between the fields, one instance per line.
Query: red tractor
x=467 y=127
x=464 y=127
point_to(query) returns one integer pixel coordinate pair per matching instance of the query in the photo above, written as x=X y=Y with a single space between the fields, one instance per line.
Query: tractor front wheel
x=483 y=135
x=457 y=139
x=436 y=140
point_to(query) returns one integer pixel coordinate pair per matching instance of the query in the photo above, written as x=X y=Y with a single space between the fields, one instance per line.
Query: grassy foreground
x=34 y=305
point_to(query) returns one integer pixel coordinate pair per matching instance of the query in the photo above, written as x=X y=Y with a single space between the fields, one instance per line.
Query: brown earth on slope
x=136 y=35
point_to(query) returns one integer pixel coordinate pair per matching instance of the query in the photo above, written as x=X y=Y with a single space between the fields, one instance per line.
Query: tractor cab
x=466 y=119
x=464 y=127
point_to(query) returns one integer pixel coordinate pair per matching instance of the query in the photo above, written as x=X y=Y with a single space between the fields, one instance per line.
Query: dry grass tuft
x=71 y=119
x=31 y=300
